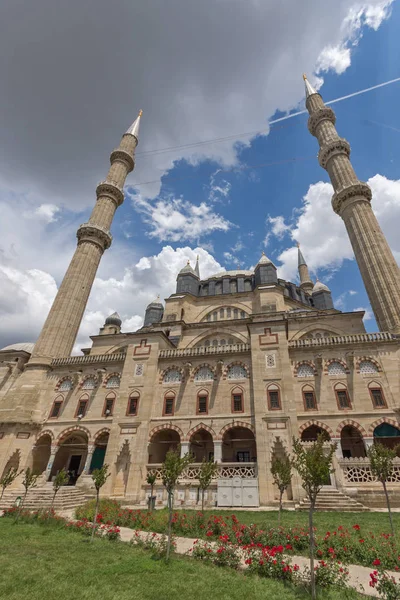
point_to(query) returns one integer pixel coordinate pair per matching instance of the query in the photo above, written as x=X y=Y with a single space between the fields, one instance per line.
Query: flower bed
x=355 y=544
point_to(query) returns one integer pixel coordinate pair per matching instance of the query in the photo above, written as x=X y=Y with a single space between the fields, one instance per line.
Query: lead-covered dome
x=114 y=319
x=19 y=347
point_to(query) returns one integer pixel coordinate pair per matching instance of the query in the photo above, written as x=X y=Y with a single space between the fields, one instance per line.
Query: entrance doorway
x=73 y=468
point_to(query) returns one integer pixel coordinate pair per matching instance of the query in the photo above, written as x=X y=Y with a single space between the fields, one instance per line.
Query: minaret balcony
x=112 y=190
x=205 y=351
x=124 y=157
x=95 y=234
x=357 y=190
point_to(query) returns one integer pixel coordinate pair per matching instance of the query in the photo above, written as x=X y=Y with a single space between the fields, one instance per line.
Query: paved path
x=358 y=576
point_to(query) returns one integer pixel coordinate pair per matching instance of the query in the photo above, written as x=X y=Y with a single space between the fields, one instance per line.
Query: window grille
x=237 y=372
x=343 y=399
x=377 y=398
x=172 y=376
x=89 y=383
x=65 y=385
x=113 y=382
x=336 y=368
x=237 y=403
x=204 y=374
x=133 y=405
x=169 y=406
x=109 y=405
x=309 y=401
x=273 y=396
x=270 y=360
x=305 y=370
x=139 y=370
x=56 y=409
x=202 y=406
x=367 y=366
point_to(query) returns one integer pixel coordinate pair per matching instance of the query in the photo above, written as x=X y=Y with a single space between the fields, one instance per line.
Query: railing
x=224 y=471
x=358 y=470
x=355 y=338
x=89 y=359
x=204 y=351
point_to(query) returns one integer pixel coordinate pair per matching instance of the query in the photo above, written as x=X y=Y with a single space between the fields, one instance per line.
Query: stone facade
x=232 y=368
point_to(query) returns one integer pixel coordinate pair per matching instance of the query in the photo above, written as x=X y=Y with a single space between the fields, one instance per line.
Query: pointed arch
x=233 y=425
x=305 y=364
x=65 y=380
x=197 y=428
x=203 y=366
x=367 y=359
x=100 y=433
x=330 y=361
x=319 y=424
x=45 y=432
x=351 y=423
x=379 y=422
x=106 y=381
x=165 y=426
x=164 y=374
x=75 y=429
x=236 y=363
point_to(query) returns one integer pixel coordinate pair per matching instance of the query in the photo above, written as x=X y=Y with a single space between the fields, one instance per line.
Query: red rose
x=376 y=562
x=356 y=527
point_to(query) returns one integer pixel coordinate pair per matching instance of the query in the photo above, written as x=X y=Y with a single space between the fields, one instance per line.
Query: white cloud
x=337 y=58
x=322 y=234
x=219 y=191
x=279 y=227
x=174 y=219
x=352 y=292
x=368 y=313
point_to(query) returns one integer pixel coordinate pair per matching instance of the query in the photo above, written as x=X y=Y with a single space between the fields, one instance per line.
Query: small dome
x=187 y=269
x=155 y=304
x=320 y=287
x=20 y=347
x=264 y=260
x=114 y=319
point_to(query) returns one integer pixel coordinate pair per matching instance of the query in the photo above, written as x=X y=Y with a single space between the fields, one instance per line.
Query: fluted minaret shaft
x=62 y=324
x=352 y=201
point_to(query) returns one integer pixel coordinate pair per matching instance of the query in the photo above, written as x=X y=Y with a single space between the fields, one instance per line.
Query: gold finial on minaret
x=140 y=112
x=304 y=76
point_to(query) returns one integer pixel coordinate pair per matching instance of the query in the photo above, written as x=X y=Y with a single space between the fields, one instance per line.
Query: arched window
x=274 y=397
x=222 y=342
x=336 y=368
x=247 y=285
x=202 y=403
x=169 y=404
x=237 y=400
x=367 y=367
x=377 y=397
x=56 y=408
x=342 y=396
x=215 y=316
x=172 y=376
x=209 y=317
x=218 y=288
x=133 y=404
x=228 y=313
x=113 y=381
x=305 y=370
x=65 y=386
x=309 y=399
x=89 y=383
x=204 y=374
x=242 y=314
x=108 y=407
x=221 y=313
x=207 y=343
x=215 y=343
x=233 y=286
x=237 y=372
x=81 y=409
x=235 y=313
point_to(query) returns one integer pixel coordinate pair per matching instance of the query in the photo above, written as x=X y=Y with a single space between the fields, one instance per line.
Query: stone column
x=88 y=460
x=184 y=448
x=53 y=452
x=218 y=451
x=368 y=442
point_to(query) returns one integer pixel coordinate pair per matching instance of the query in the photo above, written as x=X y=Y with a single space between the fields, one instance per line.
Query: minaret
x=352 y=201
x=61 y=327
x=305 y=280
x=197 y=267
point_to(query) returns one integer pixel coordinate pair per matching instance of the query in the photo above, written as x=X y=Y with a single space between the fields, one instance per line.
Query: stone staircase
x=330 y=499
x=68 y=497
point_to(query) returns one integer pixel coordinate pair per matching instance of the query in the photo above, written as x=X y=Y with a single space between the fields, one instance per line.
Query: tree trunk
x=389 y=509
x=54 y=497
x=21 y=505
x=280 y=507
x=95 y=514
x=202 y=500
x=2 y=493
x=311 y=526
x=169 y=525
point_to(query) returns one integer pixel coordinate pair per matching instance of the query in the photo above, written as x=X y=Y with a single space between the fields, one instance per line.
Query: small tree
x=172 y=469
x=99 y=477
x=29 y=482
x=314 y=465
x=151 y=479
x=381 y=461
x=281 y=470
x=208 y=469
x=60 y=479
x=7 y=479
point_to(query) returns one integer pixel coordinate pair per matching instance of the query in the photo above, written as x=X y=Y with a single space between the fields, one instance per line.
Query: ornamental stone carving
x=111 y=190
x=331 y=149
x=124 y=157
x=322 y=114
x=359 y=190
x=89 y=232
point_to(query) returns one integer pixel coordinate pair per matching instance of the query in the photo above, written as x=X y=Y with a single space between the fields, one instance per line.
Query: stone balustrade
x=224 y=471
x=335 y=340
x=89 y=359
x=204 y=351
x=358 y=471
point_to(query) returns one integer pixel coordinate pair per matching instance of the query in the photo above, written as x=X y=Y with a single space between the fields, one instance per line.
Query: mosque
x=229 y=368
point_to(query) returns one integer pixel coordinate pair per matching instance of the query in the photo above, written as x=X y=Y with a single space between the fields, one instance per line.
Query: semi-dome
x=114 y=319
x=320 y=287
x=19 y=347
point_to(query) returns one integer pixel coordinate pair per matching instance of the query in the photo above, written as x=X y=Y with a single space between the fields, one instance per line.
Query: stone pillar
x=352 y=201
x=53 y=452
x=368 y=442
x=218 y=451
x=184 y=448
x=89 y=457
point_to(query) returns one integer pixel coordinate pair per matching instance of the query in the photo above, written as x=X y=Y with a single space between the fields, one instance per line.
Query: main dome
x=20 y=347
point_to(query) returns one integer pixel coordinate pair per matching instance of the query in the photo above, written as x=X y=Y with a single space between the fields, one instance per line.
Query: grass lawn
x=41 y=562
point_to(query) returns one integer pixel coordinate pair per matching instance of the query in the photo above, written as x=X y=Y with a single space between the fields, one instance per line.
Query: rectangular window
x=55 y=411
x=81 y=408
x=132 y=406
x=169 y=406
x=202 y=405
x=343 y=399
x=274 y=400
x=377 y=398
x=243 y=456
x=237 y=403
x=309 y=401
x=108 y=407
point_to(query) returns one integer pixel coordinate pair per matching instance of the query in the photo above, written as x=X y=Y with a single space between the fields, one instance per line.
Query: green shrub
x=109 y=510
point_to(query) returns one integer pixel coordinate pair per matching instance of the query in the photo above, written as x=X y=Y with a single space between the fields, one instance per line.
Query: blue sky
x=233 y=198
